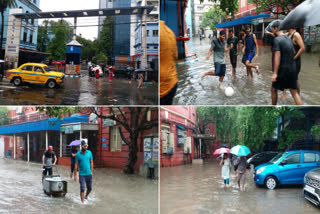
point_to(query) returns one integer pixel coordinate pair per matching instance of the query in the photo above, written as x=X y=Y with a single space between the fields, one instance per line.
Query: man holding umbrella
x=242 y=152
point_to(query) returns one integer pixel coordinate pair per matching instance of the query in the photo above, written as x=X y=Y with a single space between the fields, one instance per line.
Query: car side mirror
x=284 y=162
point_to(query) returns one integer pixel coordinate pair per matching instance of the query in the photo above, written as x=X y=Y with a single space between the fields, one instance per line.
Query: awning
x=243 y=20
x=181 y=127
x=51 y=124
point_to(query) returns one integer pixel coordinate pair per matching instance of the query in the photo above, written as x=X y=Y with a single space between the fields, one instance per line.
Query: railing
x=22 y=118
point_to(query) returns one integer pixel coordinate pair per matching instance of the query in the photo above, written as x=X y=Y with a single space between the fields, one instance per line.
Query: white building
x=198 y=13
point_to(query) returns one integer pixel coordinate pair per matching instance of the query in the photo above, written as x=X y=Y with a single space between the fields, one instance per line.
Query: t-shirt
x=84 y=162
x=218 y=49
x=168 y=50
x=287 y=68
x=250 y=44
x=242 y=165
x=48 y=158
x=235 y=42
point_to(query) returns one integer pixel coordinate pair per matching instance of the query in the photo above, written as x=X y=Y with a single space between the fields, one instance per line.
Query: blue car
x=286 y=168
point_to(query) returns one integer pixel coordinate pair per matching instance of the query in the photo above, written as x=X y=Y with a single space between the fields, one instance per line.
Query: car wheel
x=271 y=182
x=17 y=81
x=51 y=84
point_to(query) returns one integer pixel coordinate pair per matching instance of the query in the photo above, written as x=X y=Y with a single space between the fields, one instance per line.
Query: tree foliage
x=100 y=58
x=43 y=38
x=88 y=50
x=251 y=126
x=230 y=7
x=105 y=42
x=4 y=117
x=62 y=34
x=269 y=5
x=133 y=123
x=213 y=17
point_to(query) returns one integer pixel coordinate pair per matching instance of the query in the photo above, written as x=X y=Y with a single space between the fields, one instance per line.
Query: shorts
x=233 y=60
x=241 y=178
x=226 y=181
x=72 y=167
x=285 y=84
x=85 y=180
x=219 y=69
x=47 y=170
x=168 y=99
x=248 y=57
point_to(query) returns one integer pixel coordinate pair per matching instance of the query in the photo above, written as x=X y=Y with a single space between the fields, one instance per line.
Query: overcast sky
x=63 y=5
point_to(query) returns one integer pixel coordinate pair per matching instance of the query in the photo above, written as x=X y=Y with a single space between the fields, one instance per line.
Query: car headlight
x=260 y=170
x=304 y=179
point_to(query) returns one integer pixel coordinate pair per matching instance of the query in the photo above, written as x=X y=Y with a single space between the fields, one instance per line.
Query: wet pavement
x=194 y=91
x=113 y=192
x=199 y=189
x=80 y=91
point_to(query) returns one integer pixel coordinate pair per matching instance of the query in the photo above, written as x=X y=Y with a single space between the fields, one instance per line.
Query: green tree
x=268 y=5
x=4 y=116
x=4 y=4
x=62 y=34
x=100 y=58
x=213 y=17
x=133 y=123
x=88 y=50
x=43 y=38
x=230 y=7
x=251 y=126
x=105 y=42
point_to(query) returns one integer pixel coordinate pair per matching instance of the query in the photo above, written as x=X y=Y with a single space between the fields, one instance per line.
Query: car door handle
x=299 y=166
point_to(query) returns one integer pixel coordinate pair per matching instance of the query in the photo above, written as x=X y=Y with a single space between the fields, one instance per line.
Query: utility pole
x=144 y=56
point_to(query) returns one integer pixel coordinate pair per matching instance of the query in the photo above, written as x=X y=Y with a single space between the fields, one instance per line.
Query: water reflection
x=113 y=192
x=200 y=189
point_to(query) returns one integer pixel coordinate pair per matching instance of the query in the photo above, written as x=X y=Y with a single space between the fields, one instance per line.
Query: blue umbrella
x=240 y=150
x=75 y=143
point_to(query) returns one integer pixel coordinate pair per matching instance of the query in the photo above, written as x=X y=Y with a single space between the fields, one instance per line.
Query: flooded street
x=194 y=91
x=80 y=91
x=200 y=189
x=113 y=192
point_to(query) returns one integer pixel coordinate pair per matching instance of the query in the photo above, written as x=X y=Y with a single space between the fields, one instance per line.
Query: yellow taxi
x=35 y=73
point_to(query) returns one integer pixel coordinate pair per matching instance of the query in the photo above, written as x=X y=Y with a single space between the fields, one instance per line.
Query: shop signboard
x=108 y=122
x=69 y=130
x=147 y=150
x=155 y=155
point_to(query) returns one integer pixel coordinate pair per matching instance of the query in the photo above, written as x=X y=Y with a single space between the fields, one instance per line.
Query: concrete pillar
x=14 y=146
x=200 y=149
x=81 y=138
x=144 y=56
x=28 y=146
x=46 y=140
x=60 y=144
x=263 y=29
x=75 y=29
x=251 y=28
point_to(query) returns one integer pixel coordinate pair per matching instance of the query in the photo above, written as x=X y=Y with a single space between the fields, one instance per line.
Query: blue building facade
x=29 y=30
x=152 y=43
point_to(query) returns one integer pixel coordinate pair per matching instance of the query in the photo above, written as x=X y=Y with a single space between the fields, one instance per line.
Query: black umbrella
x=304 y=15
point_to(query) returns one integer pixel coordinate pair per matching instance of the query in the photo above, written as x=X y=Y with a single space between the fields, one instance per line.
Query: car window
x=46 y=68
x=309 y=157
x=38 y=69
x=27 y=68
x=276 y=158
x=317 y=157
x=294 y=158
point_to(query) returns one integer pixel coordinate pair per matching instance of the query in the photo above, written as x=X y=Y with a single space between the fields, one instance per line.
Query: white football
x=229 y=91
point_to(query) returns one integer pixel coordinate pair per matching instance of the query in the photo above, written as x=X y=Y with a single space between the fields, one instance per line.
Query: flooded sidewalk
x=194 y=91
x=199 y=189
x=113 y=192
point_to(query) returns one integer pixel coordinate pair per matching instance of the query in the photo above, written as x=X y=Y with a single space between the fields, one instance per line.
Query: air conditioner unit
x=164 y=142
x=187 y=146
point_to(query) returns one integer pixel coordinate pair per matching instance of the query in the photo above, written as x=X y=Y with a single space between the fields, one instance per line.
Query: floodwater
x=113 y=192
x=194 y=91
x=80 y=91
x=199 y=189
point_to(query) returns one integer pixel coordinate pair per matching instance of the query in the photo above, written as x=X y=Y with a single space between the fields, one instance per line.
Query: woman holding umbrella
x=225 y=169
x=242 y=152
x=226 y=165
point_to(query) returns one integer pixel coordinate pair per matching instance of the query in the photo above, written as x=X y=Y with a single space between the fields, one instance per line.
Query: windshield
x=46 y=68
x=276 y=158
